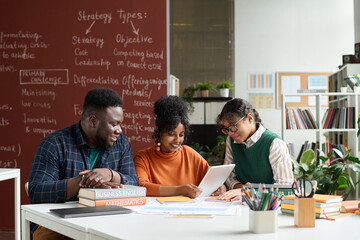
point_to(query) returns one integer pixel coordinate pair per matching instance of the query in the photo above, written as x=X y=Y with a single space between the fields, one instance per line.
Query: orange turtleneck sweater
x=155 y=168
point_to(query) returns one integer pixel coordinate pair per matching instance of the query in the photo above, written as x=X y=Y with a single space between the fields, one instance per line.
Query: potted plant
x=343 y=88
x=357 y=87
x=224 y=87
x=188 y=95
x=204 y=88
x=332 y=178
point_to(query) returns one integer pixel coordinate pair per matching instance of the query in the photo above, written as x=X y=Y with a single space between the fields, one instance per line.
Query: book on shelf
x=339 y=117
x=121 y=202
x=307 y=146
x=317 y=215
x=101 y=193
x=327 y=147
x=297 y=118
x=311 y=91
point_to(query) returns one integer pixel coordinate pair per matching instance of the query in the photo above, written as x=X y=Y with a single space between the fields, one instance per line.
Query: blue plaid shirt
x=63 y=155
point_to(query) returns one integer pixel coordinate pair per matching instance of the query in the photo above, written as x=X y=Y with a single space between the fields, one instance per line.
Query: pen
x=265 y=201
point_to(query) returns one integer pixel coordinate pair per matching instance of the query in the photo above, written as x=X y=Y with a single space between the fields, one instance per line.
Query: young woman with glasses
x=260 y=156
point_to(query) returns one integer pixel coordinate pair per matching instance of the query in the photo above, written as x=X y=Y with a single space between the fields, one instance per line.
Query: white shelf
x=349 y=99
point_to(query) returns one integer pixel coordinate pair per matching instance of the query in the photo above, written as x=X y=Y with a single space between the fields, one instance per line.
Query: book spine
x=123 y=193
x=121 y=202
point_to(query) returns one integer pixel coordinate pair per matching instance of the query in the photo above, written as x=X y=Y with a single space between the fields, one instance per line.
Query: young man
x=91 y=153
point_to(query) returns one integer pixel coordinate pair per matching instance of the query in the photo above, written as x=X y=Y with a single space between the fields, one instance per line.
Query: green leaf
x=318 y=174
x=305 y=166
x=324 y=180
x=308 y=157
x=324 y=159
x=355 y=167
x=338 y=153
x=330 y=154
x=354 y=159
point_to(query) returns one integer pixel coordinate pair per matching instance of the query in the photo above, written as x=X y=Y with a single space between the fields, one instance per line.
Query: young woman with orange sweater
x=169 y=168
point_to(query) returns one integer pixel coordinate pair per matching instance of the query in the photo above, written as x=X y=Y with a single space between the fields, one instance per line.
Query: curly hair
x=170 y=111
x=99 y=99
x=237 y=107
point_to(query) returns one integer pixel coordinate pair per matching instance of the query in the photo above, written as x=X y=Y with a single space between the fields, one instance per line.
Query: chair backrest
x=26 y=188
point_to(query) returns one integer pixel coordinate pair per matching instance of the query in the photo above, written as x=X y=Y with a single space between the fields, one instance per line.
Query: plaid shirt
x=64 y=154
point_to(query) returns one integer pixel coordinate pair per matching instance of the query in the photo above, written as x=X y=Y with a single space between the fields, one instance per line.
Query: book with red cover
x=121 y=202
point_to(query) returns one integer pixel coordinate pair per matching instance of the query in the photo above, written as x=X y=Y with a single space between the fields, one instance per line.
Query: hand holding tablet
x=214 y=178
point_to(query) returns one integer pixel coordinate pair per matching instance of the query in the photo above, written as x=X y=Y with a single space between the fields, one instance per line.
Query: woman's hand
x=190 y=190
x=232 y=195
x=219 y=191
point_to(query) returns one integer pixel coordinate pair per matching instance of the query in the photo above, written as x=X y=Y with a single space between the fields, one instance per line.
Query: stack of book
x=325 y=205
x=299 y=119
x=342 y=118
x=127 y=196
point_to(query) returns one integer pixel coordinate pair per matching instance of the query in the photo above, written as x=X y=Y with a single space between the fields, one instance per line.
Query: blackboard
x=53 y=52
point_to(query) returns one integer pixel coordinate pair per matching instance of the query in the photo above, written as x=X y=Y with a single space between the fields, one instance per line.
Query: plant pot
x=343 y=89
x=204 y=93
x=356 y=89
x=224 y=92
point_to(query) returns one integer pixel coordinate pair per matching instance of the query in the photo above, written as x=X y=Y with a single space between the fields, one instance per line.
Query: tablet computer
x=214 y=178
x=89 y=211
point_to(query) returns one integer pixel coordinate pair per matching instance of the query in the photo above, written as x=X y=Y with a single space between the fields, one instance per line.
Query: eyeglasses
x=232 y=128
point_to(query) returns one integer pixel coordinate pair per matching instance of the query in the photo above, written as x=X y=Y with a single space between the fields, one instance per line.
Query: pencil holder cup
x=304 y=212
x=263 y=221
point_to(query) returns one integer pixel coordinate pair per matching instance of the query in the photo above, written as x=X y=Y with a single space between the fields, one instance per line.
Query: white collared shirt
x=279 y=158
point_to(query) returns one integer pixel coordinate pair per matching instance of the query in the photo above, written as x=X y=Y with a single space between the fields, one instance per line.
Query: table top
x=149 y=226
x=7 y=173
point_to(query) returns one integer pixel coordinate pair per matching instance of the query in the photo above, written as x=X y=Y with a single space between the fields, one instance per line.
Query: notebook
x=214 y=178
x=89 y=211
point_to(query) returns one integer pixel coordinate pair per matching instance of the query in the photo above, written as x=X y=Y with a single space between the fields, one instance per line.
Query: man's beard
x=103 y=143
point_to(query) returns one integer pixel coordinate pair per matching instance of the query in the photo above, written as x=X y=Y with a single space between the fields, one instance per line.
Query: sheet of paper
x=262 y=100
x=318 y=82
x=199 y=206
x=261 y=81
x=290 y=84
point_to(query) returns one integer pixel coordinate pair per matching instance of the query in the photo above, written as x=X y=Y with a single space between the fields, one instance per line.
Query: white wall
x=290 y=36
x=357 y=20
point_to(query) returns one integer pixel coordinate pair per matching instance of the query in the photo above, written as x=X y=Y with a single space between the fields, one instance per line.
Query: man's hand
x=97 y=178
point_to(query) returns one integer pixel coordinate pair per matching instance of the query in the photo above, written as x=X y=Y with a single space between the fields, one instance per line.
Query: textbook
x=322 y=198
x=101 y=193
x=317 y=204
x=317 y=210
x=317 y=215
x=121 y=202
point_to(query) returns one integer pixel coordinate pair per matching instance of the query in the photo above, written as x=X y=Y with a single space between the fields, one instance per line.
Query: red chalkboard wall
x=53 y=52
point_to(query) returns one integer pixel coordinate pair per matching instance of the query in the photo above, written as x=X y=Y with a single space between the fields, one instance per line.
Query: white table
x=141 y=226
x=6 y=174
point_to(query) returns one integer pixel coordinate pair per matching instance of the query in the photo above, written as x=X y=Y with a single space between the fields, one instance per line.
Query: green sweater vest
x=252 y=164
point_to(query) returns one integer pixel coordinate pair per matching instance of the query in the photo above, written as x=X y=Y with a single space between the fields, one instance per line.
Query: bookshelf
x=346 y=136
x=342 y=100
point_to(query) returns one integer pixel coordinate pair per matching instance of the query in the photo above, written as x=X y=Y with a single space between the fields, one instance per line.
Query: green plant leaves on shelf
x=308 y=157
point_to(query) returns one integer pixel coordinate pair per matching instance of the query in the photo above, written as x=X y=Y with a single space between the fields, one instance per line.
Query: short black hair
x=170 y=111
x=99 y=99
